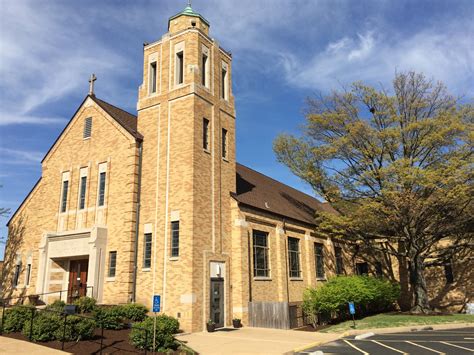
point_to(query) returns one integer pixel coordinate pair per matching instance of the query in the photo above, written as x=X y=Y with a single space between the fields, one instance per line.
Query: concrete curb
x=364 y=336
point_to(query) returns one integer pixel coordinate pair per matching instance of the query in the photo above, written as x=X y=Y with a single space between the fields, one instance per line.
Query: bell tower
x=187 y=117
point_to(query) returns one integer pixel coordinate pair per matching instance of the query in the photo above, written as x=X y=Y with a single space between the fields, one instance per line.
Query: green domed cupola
x=201 y=22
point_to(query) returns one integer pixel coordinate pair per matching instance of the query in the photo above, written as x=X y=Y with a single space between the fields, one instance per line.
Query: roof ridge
x=108 y=103
x=279 y=182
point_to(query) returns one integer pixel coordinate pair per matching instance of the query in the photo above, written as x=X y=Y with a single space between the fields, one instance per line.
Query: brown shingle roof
x=126 y=119
x=264 y=193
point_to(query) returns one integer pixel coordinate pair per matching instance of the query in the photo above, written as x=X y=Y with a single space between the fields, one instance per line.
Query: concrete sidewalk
x=254 y=341
x=10 y=346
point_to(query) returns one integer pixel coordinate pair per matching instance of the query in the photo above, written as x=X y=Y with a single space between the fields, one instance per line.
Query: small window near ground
x=378 y=269
x=205 y=134
x=294 y=257
x=339 y=261
x=224 y=143
x=179 y=68
x=153 y=76
x=448 y=272
x=64 y=196
x=175 y=239
x=147 y=251
x=319 y=259
x=261 y=266
x=87 y=127
x=102 y=177
x=362 y=268
x=112 y=263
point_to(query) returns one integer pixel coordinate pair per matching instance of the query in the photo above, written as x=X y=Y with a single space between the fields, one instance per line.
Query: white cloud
x=9 y=118
x=15 y=156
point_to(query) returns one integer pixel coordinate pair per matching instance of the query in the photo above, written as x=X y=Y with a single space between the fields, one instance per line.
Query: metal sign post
x=352 y=311
x=156 y=309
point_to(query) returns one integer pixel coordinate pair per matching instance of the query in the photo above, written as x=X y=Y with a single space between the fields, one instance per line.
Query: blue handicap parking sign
x=352 y=308
x=156 y=303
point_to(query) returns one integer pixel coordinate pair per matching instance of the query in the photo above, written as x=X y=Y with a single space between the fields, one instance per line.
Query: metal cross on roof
x=189 y=3
x=92 y=79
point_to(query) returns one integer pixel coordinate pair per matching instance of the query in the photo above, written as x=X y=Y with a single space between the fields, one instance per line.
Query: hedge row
x=369 y=294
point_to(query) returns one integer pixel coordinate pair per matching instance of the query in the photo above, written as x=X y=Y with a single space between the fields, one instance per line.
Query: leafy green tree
x=396 y=166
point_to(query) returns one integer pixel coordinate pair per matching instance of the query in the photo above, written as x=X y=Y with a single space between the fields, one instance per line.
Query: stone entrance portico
x=57 y=250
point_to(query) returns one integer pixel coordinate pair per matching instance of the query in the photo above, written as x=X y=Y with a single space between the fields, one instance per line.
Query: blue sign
x=156 y=303
x=352 y=308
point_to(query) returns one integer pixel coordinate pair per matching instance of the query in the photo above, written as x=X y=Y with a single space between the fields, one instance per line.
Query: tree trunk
x=418 y=283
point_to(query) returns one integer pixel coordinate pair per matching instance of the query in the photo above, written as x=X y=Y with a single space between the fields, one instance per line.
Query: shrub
x=134 y=311
x=16 y=317
x=57 y=306
x=369 y=294
x=85 y=304
x=109 y=317
x=77 y=328
x=166 y=327
x=45 y=326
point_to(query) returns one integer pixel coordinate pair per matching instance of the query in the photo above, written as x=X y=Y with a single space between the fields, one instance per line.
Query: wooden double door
x=77 y=286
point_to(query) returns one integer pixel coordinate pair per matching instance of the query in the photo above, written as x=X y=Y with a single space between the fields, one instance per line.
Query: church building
x=128 y=206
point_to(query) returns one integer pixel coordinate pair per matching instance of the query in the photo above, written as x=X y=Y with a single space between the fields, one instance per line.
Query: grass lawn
x=398 y=320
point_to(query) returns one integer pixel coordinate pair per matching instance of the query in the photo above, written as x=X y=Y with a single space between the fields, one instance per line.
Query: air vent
x=87 y=127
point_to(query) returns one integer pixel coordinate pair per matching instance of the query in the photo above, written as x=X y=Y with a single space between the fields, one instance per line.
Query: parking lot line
x=424 y=347
x=457 y=346
x=355 y=347
x=389 y=347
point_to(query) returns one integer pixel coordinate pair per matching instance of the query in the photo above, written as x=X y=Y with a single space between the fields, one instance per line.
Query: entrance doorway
x=217 y=301
x=77 y=286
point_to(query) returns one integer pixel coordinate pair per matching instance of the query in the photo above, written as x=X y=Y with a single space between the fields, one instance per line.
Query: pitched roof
x=126 y=119
x=264 y=193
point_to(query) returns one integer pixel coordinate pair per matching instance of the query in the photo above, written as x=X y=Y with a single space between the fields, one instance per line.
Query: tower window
x=87 y=127
x=205 y=134
x=64 y=196
x=102 y=188
x=294 y=257
x=224 y=83
x=82 y=194
x=205 y=69
x=224 y=143
x=179 y=68
x=319 y=259
x=175 y=239
x=147 y=251
x=112 y=264
x=153 y=75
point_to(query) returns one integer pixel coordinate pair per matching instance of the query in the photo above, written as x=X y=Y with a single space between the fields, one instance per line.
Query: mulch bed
x=115 y=342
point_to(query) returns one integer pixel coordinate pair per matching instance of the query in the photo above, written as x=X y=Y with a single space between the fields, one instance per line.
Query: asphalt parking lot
x=453 y=341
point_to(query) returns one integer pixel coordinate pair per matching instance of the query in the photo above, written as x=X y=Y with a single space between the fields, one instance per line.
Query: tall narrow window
x=294 y=257
x=16 y=275
x=205 y=134
x=82 y=193
x=179 y=68
x=378 y=269
x=204 y=69
x=153 y=74
x=102 y=188
x=319 y=259
x=147 y=250
x=64 y=196
x=224 y=143
x=339 y=262
x=260 y=254
x=112 y=263
x=362 y=268
x=175 y=239
x=28 y=275
x=448 y=272
x=224 y=83
x=87 y=127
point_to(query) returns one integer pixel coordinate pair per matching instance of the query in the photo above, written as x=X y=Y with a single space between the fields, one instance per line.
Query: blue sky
x=283 y=51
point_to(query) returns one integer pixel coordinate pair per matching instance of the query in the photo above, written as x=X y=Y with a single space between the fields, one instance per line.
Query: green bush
x=109 y=317
x=45 y=326
x=16 y=317
x=85 y=304
x=369 y=294
x=77 y=328
x=57 y=306
x=134 y=311
x=166 y=327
